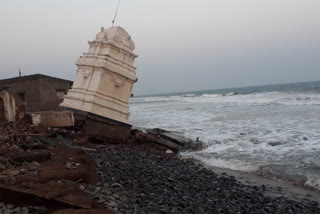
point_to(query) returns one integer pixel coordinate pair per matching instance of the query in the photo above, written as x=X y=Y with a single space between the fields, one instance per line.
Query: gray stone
x=10 y=206
x=116 y=185
x=112 y=204
x=8 y=212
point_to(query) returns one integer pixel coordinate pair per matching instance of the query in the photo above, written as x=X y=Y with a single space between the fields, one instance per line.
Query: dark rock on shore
x=10 y=209
x=144 y=179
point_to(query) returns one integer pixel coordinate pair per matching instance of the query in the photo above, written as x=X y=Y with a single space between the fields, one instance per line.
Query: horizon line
x=202 y=90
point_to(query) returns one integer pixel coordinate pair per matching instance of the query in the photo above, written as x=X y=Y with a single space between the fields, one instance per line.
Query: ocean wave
x=231 y=164
x=159 y=99
x=275 y=98
x=230 y=94
x=313 y=182
x=266 y=98
x=276 y=131
x=211 y=95
x=183 y=95
x=189 y=95
x=219 y=95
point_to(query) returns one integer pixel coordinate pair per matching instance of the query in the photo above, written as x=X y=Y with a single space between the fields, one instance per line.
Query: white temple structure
x=105 y=77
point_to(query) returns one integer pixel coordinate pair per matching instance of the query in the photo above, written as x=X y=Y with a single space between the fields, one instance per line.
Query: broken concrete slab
x=61 y=194
x=53 y=118
x=107 y=130
x=172 y=140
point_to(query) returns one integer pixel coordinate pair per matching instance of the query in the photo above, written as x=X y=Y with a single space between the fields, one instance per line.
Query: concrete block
x=53 y=118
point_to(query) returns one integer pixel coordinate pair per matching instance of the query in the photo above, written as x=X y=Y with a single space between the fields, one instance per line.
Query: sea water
x=273 y=130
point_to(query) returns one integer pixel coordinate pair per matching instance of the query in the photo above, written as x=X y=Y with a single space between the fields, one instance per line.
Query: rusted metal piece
x=46 y=196
x=26 y=135
x=38 y=156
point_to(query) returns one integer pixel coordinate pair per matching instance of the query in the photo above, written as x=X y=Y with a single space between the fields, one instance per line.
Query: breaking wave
x=313 y=183
x=271 y=131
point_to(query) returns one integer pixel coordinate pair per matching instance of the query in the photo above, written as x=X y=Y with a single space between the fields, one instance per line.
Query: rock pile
x=10 y=209
x=16 y=141
x=139 y=179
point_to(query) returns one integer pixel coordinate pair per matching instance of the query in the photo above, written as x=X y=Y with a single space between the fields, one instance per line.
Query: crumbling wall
x=50 y=93
x=7 y=108
x=37 y=92
x=25 y=93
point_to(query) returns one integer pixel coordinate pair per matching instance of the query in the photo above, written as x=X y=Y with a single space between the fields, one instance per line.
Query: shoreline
x=256 y=178
x=143 y=178
x=290 y=190
x=135 y=177
x=293 y=190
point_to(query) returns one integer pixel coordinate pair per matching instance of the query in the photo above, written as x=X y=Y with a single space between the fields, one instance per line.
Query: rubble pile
x=9 y=208
x=16 y=141
x=63 y=170
x=12 y=137
x=40 y=168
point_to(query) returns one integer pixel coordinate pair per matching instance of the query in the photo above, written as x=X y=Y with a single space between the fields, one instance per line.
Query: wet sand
x=275 y=188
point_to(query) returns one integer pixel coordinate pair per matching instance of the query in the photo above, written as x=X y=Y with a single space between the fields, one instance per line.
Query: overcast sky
x=183 y=45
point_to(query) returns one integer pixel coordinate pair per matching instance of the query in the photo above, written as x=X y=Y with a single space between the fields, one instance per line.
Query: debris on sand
x=63 y=170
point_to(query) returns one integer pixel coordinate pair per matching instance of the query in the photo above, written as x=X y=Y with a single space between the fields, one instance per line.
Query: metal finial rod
x=115 y=15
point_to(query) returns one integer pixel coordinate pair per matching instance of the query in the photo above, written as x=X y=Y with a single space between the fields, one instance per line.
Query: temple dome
x=116 y=34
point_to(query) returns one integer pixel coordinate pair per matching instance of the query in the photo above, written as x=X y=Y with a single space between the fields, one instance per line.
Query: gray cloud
x=182 y=45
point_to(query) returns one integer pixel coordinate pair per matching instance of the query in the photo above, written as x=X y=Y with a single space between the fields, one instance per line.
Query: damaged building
x=37 y=92
x=103 y=84
x=50 y=154
x=98 y=99
x=7 y=107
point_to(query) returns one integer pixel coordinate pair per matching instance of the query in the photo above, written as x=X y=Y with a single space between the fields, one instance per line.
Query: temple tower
x=105 y=77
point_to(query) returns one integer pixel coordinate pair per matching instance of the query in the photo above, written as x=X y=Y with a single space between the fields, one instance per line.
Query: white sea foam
x=231 y=164
x=159 y=99
x=313 y=182
x=270 y=98
x=211 y=95
x=278 y=131
x=189 y=95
